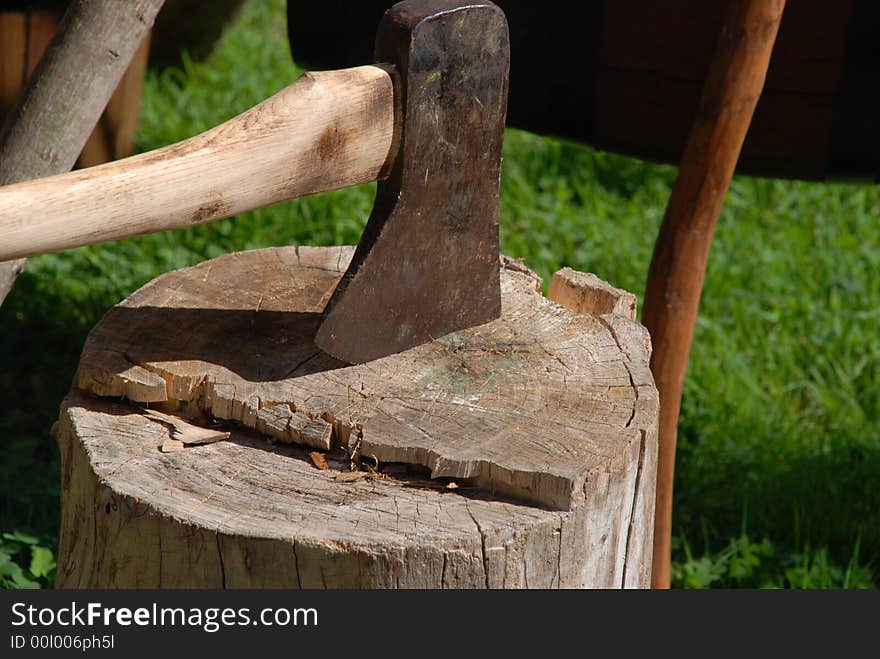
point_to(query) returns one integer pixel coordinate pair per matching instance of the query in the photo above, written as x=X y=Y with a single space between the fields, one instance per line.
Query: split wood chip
x=311 y=432
x=584 y=292
x=319 y=460
x=185 y=432
x=171 y=446
x=282 y=423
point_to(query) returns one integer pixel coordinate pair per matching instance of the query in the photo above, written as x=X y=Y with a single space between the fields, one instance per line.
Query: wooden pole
x=68 y=91
x=675 y=279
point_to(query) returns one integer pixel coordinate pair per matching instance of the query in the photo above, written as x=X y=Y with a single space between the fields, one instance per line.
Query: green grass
x=779 y=449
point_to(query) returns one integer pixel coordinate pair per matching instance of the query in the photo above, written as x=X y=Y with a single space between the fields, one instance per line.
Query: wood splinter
x=185 y=433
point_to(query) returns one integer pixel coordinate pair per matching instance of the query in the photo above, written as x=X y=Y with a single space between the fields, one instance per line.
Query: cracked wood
x=546 y=418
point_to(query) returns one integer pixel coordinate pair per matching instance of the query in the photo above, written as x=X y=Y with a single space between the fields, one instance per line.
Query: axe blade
x=428 y=261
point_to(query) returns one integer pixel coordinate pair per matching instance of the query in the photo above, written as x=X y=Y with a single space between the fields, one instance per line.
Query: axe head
x=428 y=261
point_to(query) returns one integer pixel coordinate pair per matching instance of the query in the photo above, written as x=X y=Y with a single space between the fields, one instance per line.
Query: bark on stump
x=520 y=453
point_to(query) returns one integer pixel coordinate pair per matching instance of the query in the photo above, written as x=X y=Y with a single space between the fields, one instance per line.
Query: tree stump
x=208 y=443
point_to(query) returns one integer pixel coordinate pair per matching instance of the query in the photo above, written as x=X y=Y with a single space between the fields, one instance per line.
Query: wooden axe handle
x=327 y=130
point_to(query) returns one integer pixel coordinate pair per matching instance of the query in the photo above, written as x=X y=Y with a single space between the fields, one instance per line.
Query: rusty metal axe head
x=428 y=261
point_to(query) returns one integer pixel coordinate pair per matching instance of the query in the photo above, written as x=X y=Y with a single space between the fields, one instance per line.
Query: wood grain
x=675 y=278
x=545 y=419
x=325 y=131
x=13 y=58
x=583 y=292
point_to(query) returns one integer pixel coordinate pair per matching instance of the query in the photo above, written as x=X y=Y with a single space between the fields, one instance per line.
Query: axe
x=426 y=121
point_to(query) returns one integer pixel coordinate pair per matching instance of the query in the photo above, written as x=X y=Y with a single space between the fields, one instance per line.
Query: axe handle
x=327 y=130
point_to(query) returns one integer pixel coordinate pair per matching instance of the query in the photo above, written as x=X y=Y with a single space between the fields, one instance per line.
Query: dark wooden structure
x=626 y=75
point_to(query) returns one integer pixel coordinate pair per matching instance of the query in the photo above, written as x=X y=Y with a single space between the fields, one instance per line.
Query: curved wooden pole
x=675 y=279
x=325 y=131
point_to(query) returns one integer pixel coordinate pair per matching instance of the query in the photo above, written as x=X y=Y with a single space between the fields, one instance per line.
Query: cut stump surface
x=520 y=453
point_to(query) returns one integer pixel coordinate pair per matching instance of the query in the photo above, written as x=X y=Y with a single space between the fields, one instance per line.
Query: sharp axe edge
x=428 y=261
